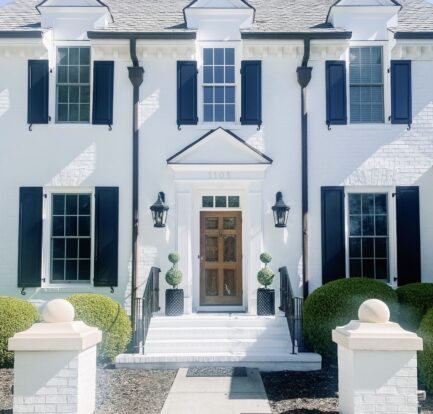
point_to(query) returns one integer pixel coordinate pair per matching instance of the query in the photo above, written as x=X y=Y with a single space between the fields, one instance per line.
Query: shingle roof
x=280 y=16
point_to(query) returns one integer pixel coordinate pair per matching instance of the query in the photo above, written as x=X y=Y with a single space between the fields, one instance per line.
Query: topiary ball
x=16 y=315
x=266 y=258
x=107 y=315
x=173 y=277
x=173 y=258
x=425 y=358
x=336 y=304
x=265 y=276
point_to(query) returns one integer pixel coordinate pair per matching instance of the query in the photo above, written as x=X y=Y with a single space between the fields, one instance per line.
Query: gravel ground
x=310 y=392
x=120 y=391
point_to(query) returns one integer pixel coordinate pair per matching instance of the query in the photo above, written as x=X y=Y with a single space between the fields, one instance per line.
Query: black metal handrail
x=292 y=307
x=145 y=307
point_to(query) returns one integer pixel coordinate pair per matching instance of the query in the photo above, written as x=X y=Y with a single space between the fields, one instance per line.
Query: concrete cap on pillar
x=374 y=331
x=58 y=332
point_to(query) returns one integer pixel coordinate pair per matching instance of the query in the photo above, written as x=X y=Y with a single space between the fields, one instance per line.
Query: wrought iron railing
x=145 y=307
x=292 y=307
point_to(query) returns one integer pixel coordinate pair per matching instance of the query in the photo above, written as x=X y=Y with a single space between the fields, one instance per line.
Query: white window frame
x=52 y=58
x=226 y=194
x=46 y=236
x=200 y=84
x=386 y=56
x=392 y=226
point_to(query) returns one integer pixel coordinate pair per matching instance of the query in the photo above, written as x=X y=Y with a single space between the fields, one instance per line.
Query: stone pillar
x=377 y=363
x=55 y=363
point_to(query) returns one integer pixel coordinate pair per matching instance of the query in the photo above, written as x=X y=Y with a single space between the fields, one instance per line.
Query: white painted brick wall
x=55 y=381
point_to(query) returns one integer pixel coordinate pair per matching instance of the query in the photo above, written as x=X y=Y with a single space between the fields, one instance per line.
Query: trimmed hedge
x=107 y=315
x=16 y=315
x=415 y=300
x=337 y=303
x=425 y=358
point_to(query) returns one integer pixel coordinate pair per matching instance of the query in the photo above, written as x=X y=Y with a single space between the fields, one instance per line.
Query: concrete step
x=259 y=345
x=218 y=332
x=273 y=362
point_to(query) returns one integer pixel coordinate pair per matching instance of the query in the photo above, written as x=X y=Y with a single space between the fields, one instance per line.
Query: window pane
x=368 y=247
x=208 y=74
x=71 y=204
x=230 y=113
x=220 y=201
x=368 y=268
x=381 y=226
x=84 y=204
x=62 y=56
x=84 y=246
x=355 y=268
x=355 y=204
x=219 y=113
x=73 y=112
x=219 y=56
x=58 y=204
x=62 y=74
x=381 y=204
x=74 y=55
x=58 y=269
x=230 y=94
x=368 y=225
x=73 y=74
x=230 y=74
x=71 y=270
x=368 y=203
x=355 y=247
x=208 y=94
x=219 y=94
x=219 y=74
x=381 y=269
x=84 y=112
x=208 y=56
x=230 y=56
x=63 y=94
x=84 y=270
x=74 y=94
x=381 y=247
x=58 y=248
x=62 y=114
x=207 y=201
x=85 y=56
x=233 y=201
x=84 y=226
x=208 y=113
x=84 y=74
x=71 y=248
x=71 y=226
x=58 y=226
x=355 y=226
x=84 y=94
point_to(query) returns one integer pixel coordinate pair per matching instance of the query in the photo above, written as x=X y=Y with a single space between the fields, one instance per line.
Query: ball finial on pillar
x=373 y=311
x=58 y=310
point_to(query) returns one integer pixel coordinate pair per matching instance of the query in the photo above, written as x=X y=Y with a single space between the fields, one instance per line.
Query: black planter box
x=265 y=302
x=174 y=302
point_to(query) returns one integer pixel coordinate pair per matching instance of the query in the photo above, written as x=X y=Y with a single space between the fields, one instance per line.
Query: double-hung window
x=366 y=85
x=368 y=235
x=219 y=90
x=73 y=84
x=71 y=237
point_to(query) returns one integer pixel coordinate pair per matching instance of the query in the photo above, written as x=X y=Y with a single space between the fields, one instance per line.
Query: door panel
x=220 y=258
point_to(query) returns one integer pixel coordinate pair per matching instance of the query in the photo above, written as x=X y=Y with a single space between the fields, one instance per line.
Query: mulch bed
x=310 y=392
x=120 y=391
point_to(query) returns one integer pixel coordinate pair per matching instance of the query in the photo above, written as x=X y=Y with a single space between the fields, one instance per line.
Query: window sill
x=67 y=288
x=215 y=125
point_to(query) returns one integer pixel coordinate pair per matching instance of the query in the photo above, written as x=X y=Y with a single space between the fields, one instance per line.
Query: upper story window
x=71 y=238
x=219 y=88
x=73 y=84
x=366 y=85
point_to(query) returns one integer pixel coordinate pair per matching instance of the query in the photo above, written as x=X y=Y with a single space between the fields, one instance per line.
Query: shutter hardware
x=23 y=291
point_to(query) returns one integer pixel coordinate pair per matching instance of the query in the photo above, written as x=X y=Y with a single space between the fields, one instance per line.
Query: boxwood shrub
x=425 y=358
x=335 y=304
x=415 y=300
x=16 y=315
x=107 y=315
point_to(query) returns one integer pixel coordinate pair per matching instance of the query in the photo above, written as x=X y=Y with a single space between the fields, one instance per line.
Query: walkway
x=217 y=391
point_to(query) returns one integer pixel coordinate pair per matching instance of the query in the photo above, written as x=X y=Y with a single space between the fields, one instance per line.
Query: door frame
x=239 y=255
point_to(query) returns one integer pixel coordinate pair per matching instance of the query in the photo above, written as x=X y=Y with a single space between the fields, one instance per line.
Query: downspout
x=304 y=77
x=136 y=78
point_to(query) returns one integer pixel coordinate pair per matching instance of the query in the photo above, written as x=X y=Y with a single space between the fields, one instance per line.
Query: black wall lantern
x=159 y=211
x=281 y=211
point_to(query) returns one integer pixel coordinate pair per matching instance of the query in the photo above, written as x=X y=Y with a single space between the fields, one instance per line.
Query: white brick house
x=351 y=150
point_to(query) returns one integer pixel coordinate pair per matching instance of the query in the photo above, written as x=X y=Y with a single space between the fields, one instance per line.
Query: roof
x=166 y=16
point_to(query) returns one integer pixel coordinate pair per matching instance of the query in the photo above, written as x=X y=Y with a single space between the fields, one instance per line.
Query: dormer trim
x=101 y=4
x=337 y=3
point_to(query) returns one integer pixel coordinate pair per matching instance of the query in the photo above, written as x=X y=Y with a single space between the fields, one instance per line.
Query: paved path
x=217 y=395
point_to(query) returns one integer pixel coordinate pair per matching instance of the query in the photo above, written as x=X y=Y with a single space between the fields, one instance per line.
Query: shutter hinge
x=389 y=118
x=389 y=70
x=23 y=291
x=111 y=289
x=44 y=280
x=30 y=127
x=45 y=195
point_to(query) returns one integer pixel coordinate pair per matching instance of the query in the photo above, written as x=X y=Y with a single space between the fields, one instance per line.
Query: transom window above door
x=220 y=201
x=368 y=235
x=73 y=84
x=219 y=88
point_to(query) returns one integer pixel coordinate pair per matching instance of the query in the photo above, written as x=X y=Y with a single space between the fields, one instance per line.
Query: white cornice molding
x=413 y=51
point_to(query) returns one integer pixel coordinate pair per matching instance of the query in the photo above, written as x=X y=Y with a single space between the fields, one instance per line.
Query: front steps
x=219 y=340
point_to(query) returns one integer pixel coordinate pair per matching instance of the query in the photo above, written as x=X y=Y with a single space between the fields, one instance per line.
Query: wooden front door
x=220 y=258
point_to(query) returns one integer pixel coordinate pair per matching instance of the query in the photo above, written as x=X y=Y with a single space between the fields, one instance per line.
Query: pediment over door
x=219 y=147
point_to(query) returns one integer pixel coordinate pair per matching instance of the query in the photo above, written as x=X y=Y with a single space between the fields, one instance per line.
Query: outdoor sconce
x=281 y=211
x=159 y=211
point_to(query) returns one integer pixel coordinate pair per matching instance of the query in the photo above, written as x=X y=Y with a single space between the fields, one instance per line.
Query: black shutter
x=106 y=236
x=401 y=92
x=187 y=93
x=103 y=78
x=30 y=237
x=333 y=237
x=336 y=96
x=251 y=75
x=37 y=94
x=408 y=235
